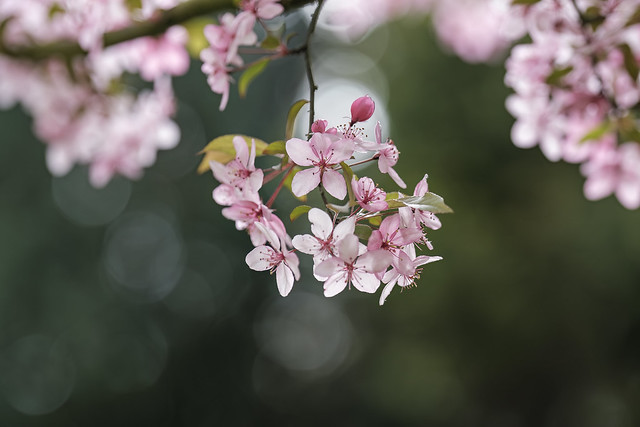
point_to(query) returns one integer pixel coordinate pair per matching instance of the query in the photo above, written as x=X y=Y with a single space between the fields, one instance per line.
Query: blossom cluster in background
x=81 y=106
x=372 y=239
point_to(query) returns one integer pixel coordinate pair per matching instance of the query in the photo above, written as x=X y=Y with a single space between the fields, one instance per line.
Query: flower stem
x=279 y=187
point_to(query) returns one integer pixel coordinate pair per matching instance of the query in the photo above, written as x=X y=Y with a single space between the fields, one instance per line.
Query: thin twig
x=307 y=60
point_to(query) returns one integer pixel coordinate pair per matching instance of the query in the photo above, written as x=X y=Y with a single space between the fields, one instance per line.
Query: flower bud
x=319 y=126
x=362 y=109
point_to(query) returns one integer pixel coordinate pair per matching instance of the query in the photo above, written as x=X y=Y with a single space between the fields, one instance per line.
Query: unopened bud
x=362 y=109
x=319 y=126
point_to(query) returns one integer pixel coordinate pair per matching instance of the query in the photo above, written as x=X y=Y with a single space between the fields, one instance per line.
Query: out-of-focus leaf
x=276 y=147
x=525 y=2
x=250 y=74
x=634 y=19
x=221 y=150
x=630 y=62
x=270 y=42
x=195 y=29
x=429 y=202
x=363 y=231
x=298 y=211
x=597 y=132
x=555 y=78
x=291 y=117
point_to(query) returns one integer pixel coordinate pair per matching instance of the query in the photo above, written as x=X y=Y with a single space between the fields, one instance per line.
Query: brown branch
x=154 y=26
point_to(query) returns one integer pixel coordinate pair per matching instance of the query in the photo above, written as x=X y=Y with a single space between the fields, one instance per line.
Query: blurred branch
x=153 y=26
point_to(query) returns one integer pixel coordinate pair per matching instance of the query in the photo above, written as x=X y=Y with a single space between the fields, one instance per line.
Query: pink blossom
x=368 y=195
x=407 y=278
x=322 y=244
x=388 y=157
x=352 y=266
x=322 y=152
x=612 y=170
x=255 y=217
x=263 y=9
x=415 y=217
x=362 y=109
x=392 y=238
x=275 y=258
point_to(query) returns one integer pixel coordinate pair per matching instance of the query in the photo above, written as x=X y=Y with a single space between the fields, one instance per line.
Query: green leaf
x=298 y=211
x=270 y=42
x=195 y=29
x=363 y=231
x=555 y=78
x=221 y=150
x=348 y=176
x=634 y=19
x=375 y=220
x=525 y=2
x=630 y=62
x=429 y=202
x=250 y=74
x=597 y=132
x=276 y=147
x=291 y=117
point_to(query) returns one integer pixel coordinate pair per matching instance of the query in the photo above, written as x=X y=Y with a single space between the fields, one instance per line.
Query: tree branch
x=154 y=26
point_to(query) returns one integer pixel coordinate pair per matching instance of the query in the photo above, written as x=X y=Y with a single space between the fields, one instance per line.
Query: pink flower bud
x=319 y=126
x=362 y=109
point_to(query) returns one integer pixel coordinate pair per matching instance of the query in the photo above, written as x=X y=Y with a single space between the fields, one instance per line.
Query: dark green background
x=531 y=319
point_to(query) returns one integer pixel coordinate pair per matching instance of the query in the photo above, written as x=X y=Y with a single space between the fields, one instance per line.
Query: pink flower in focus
x=388 y=157
x=407 y=278
x=322 y=244
x=416 y=217
x=368 y=195
x=351 y=266
x=362 y=109
x=275 y=258
x=322 y=152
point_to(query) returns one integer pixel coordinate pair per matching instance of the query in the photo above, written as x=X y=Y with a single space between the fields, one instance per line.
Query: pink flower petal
x=307 y=244
x=335 y=284
x=348 y=248
x=329 y=267
x=365 y=282
x=305 y=181
x=334 y=183
x=259 y=259
x=284 y=279
x=321 y=223
x=300 y=152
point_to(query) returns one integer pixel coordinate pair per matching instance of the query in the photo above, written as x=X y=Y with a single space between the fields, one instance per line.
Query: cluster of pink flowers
x=221 y=58
x=81 y=107
x=370 y=240
x=577 y=91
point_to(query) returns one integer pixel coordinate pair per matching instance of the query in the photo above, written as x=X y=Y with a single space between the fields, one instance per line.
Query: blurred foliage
x=532 y=318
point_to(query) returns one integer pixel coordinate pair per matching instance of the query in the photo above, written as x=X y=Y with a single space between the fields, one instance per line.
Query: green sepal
x=250 y=74
x=221 y=150
x=298 y=211
x=291 y=117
